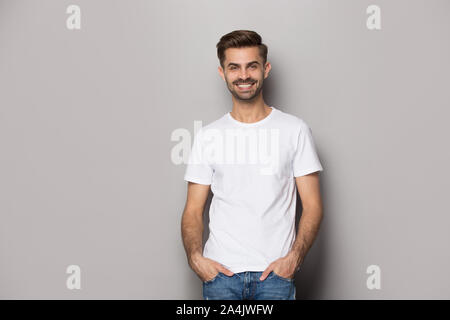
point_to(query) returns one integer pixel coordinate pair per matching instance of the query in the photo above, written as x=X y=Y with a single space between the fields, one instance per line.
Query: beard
x=248 y=95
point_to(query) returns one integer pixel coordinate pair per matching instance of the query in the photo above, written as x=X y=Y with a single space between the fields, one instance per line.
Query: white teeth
x=244 y=85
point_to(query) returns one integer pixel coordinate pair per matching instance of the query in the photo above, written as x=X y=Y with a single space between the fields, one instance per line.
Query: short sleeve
x=198 y=170
x=305 y=160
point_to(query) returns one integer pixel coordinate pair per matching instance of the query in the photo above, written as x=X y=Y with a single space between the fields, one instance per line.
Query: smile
x=244 y=87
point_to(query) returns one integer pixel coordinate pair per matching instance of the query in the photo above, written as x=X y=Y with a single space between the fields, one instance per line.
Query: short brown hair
x=241 y=39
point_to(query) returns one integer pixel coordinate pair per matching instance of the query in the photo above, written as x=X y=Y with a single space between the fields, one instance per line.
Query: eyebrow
x=235 y=64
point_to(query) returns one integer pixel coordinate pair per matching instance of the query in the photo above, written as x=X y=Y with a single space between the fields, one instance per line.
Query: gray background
x=86 y=117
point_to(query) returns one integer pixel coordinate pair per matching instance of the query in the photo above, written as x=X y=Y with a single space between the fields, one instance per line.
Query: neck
x=250 y=111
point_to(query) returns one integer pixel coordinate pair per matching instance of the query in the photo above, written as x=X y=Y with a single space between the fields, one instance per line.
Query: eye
x=253 y=66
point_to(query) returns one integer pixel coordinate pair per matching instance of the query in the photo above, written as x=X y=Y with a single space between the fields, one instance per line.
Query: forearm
x=192 y=234
x=307 y=231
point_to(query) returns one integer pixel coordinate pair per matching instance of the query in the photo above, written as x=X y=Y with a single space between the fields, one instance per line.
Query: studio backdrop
x=100 y=101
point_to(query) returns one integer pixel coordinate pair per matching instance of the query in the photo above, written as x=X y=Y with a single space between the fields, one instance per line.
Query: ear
x=267 y=69
x=221 y=73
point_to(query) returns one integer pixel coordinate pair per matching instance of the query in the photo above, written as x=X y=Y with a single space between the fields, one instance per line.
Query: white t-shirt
x=251 y=169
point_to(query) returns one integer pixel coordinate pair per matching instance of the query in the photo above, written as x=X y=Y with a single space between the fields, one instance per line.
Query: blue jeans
x=247 y=286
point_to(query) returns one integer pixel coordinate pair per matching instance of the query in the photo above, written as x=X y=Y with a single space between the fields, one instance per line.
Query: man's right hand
x=207 y=269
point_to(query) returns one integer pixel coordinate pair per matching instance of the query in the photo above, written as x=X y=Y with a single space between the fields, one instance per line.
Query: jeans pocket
x=215 y=277
x=283 y=278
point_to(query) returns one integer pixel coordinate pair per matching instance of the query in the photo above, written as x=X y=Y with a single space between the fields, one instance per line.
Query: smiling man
x=252 y=250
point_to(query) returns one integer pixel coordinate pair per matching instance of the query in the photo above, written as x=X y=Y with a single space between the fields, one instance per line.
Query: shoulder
x=211 y=128
x=216 y=124
x=292 y=121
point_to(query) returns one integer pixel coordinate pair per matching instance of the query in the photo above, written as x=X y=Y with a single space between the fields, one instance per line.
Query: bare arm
x=192 y=220
x=192 y=233
x=309 y=189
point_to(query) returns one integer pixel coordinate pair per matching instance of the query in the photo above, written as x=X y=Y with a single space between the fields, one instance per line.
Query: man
x=252 y=251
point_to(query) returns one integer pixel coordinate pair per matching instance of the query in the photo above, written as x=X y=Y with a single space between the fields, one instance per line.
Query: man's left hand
x=284 y=267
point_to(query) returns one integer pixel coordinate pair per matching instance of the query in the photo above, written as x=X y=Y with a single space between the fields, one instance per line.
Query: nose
x=243 y=75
